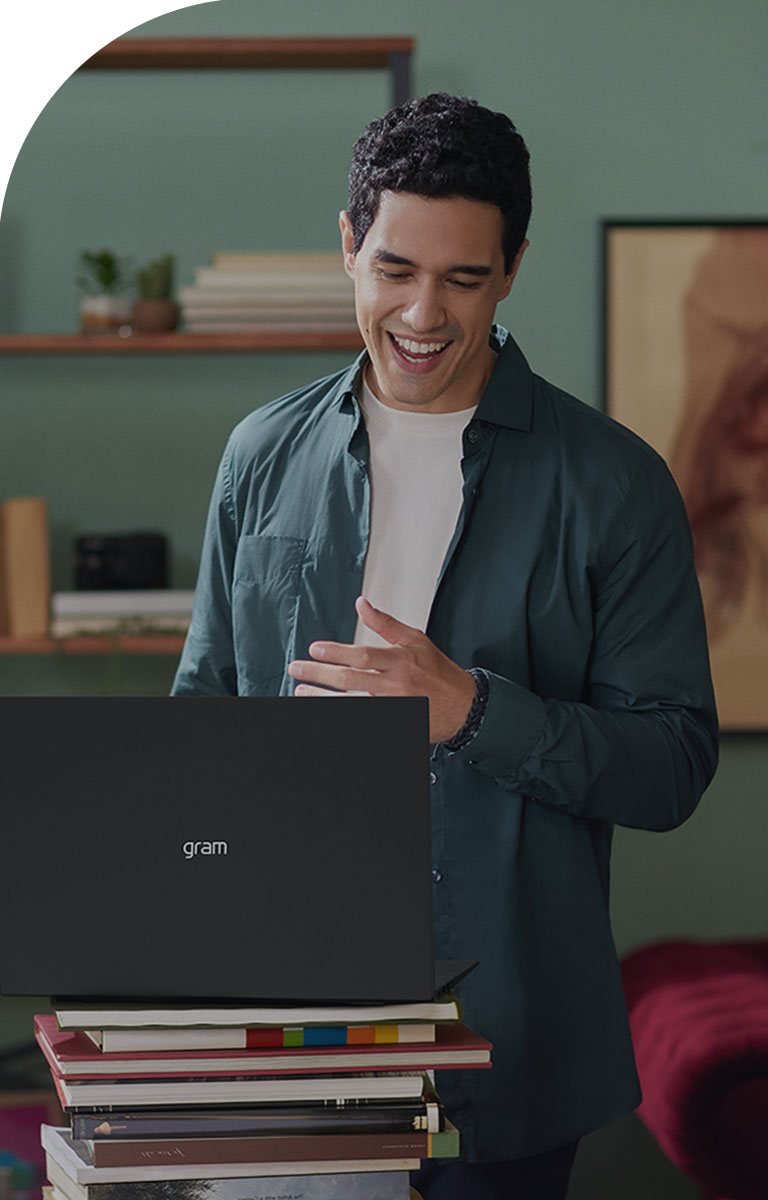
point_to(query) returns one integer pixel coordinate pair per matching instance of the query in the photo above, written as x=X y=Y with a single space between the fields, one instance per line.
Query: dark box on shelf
x=133 y=560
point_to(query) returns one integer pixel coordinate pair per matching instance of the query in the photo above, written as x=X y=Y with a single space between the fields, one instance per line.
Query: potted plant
x=155 y=311
x=102 y=278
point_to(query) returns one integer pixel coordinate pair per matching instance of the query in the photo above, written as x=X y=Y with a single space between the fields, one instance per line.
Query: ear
x=509 y=279
x=347 y=243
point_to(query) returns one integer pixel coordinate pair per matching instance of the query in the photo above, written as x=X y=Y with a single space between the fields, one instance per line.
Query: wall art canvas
x=686 y=367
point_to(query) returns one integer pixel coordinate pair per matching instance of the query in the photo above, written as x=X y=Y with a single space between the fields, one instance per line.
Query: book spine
x=318 y=1147
x=138 y=1041
x=26 y=571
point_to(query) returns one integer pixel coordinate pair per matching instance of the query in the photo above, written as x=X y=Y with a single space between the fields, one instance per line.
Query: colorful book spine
x=115 y=1041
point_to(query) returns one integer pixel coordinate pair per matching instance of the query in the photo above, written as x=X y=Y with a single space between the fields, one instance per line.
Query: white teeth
x=419 y=348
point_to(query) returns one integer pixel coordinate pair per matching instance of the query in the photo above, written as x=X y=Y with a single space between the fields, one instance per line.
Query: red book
x=72 y=1055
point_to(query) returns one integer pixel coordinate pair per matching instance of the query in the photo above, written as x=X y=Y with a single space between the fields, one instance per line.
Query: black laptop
x=208 y=848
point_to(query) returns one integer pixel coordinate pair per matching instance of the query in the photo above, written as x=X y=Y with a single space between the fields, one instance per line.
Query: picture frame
x=685 y=366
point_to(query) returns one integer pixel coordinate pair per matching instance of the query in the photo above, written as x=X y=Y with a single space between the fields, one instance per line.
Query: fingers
x=341 y=678
x=387 y=627
x=365 y=658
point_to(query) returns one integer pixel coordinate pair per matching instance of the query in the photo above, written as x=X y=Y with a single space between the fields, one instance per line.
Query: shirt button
x=432 y=778
x=472 y=436
x=437 y=876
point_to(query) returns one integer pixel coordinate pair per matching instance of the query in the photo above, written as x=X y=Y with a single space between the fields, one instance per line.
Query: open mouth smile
x=416 y=353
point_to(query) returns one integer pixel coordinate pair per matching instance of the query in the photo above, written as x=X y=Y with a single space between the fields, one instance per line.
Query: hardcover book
x=119 y=1093
x=383 y=1185
x=74 y=1056
x=70 y=1162
x=159 y=1016
x=329 y=1116
x=282 y=1148
x=114 y=1041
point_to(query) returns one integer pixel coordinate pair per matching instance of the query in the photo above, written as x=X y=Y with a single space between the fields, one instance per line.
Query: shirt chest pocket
x=265 y=590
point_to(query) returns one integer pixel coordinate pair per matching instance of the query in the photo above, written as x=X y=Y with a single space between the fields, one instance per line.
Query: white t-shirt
x=416 y=495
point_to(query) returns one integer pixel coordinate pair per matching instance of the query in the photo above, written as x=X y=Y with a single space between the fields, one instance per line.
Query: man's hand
x=411 y=665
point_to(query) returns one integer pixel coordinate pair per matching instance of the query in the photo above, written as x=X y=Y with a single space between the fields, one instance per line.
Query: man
x=527 y=566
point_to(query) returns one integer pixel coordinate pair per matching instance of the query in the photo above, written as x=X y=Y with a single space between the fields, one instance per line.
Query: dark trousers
x=541 y=1177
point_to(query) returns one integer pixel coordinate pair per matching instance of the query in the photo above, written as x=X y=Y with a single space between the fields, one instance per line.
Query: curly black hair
x=441 y=145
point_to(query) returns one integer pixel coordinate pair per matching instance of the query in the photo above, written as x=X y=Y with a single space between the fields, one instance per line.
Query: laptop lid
x=252 y=848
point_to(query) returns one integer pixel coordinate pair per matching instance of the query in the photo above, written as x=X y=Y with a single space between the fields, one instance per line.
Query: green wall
x=629 y=110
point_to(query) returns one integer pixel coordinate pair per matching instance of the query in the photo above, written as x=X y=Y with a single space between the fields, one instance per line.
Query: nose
x=424 y=310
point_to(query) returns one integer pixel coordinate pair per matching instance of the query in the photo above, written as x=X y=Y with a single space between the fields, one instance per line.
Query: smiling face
x=428 y=277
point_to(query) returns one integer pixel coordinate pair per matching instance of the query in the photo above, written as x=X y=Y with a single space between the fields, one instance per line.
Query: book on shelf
x=251 y=1089
x=153 y=1015
x=113 y=1041
x=69 y=1161
x=256 y=295
x=64 y=627
x=322 y=314
x=423 y=1114
x=278 y=260
x=216 y=281
x=123 y=602
x=25 y=572
x=281 y=1148
x=73 y=1055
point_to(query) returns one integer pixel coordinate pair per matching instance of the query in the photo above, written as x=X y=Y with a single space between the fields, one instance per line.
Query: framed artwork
x=686 y=367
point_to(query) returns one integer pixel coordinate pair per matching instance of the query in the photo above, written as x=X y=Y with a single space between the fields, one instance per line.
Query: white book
x=292 y=312
x=243 y=1090
x=74 y=1162
x=257 y=284
x=123 y=603
x=63 y=627
x=117 y=1016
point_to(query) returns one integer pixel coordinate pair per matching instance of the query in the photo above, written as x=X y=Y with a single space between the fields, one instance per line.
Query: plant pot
x=154 y=316
x=103 y=313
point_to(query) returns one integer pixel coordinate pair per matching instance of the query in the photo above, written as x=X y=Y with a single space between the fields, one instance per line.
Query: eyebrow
x=386 y=256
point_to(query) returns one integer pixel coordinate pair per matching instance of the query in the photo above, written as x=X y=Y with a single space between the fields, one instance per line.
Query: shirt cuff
x=511 y=727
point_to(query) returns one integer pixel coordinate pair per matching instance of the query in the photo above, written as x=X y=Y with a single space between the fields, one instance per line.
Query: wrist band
x=475 y=714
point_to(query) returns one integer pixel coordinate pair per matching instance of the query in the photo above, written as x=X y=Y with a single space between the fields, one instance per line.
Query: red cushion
x=699 y=1019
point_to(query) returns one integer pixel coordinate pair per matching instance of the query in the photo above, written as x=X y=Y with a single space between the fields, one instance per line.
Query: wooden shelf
x=277 y=53
x=148 y=644
x=267 y=338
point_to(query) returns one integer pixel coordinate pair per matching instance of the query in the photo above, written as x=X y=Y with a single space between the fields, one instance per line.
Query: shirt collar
x=508 y=396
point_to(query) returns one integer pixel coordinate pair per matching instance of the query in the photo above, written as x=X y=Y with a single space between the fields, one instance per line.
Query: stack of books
x=242 y=292
x=317 y=1103
x=110 y=612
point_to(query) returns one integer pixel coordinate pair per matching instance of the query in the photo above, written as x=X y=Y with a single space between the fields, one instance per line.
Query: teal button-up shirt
x=570 y=580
